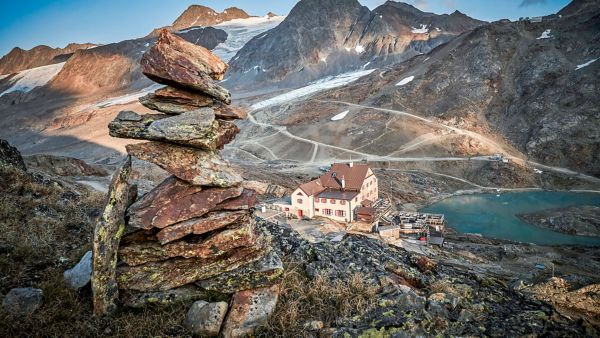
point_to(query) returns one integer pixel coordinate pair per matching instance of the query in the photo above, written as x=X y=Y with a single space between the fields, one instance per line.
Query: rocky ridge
x=194 y=234
x=18 y=59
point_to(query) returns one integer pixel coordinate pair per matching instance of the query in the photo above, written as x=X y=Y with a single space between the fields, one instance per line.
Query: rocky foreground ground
x=579 y=220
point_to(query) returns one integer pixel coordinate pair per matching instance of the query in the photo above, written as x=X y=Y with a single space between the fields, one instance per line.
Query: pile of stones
x=194 y=236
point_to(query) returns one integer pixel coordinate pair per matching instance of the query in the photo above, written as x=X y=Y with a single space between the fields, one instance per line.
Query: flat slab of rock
x=247 y=200
x=170 y=100
x=173 y=273
x=201 y=225
x=250 y=309
x=175 y=201
x=204 y=319
x=198 y=128
x=23 y=301
x=262 y=273
x=137 y=299
x=79 y=275
x=107 y=236
x=197 y=167
x=215 y=245
x=178 y=63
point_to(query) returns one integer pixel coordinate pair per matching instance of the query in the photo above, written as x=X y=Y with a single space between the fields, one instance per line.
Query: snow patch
x=147 y=44
x=28 y=79
x=438 y=29
x=359 y=49
x=545 y=34
x=340 y=115
x=583 y=65
x=323 y=84
x=3 y=76
x=366 y=65
x=347 y=49
x=405 y=81
x=422 y=30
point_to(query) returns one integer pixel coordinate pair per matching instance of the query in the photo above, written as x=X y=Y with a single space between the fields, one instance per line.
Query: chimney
x=343 y=183
x=351 y=164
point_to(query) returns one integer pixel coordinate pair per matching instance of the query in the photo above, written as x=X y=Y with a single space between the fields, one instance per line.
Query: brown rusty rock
x=107 y=236
x=193 y=247
x=176 y=62
x=264 y=272
x=198 y=128
x=177 y=272
x=245 y=201
x=171 y=100
x=194 y=166
x=175 y=201
x=201 y=225
x=248 y=310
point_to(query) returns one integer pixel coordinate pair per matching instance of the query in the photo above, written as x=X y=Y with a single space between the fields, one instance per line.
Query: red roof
x=354 y=176
x=312 y=188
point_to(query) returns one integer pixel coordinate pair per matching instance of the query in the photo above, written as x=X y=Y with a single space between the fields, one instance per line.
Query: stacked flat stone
x=195 y=232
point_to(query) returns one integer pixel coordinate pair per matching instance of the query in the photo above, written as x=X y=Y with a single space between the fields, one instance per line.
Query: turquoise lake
x=495 y=216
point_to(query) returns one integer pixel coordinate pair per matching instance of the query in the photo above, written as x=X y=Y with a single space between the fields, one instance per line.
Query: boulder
x=10 y=156
x=137 y=299
x=176 y=272
x=175 y=201
x=23 y=301
x=262 y=273
x=79 y=275
x=201 y=225
x=245 y=201
x=250 y=309
x=170 y=100
x=197 y=128
x=63 y=166
x=178 y=63
x=204 y=319
x=107 y=236
x=197 y=167
x=216 y=245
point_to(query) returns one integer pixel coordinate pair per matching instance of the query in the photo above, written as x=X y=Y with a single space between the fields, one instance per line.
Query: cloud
x=526 y=3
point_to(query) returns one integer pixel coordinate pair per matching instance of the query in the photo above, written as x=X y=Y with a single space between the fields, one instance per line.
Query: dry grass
x=303 y=300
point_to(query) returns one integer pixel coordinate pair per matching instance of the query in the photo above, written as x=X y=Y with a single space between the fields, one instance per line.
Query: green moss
x=389 y=313
x=381 y=333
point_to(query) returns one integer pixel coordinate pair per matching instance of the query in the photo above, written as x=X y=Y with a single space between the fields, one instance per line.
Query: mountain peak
x=198 y=15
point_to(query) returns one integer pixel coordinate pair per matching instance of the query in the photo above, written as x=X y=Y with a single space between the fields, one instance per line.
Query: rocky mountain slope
x=528 y=86
x=18 y=59
x=329 y=37
x=197 y=15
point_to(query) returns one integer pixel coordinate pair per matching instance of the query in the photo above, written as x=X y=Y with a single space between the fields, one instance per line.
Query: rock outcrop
x=10 y=156
x=194 y=234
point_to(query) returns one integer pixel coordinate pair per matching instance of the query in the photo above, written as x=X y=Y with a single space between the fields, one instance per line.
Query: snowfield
x=317 y=86
x=28 y=79
x=240 y=31
x=405 y=81
x=583 y=65
x=422 y=30
x=545 y=34
x=340 y=116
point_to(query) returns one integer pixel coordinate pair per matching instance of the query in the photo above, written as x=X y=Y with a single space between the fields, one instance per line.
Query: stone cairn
x=194 y=235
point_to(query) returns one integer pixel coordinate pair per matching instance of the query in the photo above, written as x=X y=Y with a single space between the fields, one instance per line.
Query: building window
x=299 y=194
x=355 y=199
x=299 y=201
x=332 y=201
x=323 y=200
x=342 y=202
x=340 y=213
x=287 y=209
x=316 y=209
x=327 y=212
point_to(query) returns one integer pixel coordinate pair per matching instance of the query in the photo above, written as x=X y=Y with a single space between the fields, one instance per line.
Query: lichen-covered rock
x=174 y=201
x=107 y=236
x=247 y=200
x=262 y=273
x=201 y=225
x=215 y=245
x=204 y=319
x=79 y=275
x=197 y=167
x=250 y=309
x=10 y=156
x=23 y=301
x=138 y=299
x=170 y=100
x=198 y=128
x=173 y=273
x=176 y=62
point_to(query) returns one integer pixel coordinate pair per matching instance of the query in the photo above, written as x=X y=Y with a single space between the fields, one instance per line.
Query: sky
x=56 y=23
